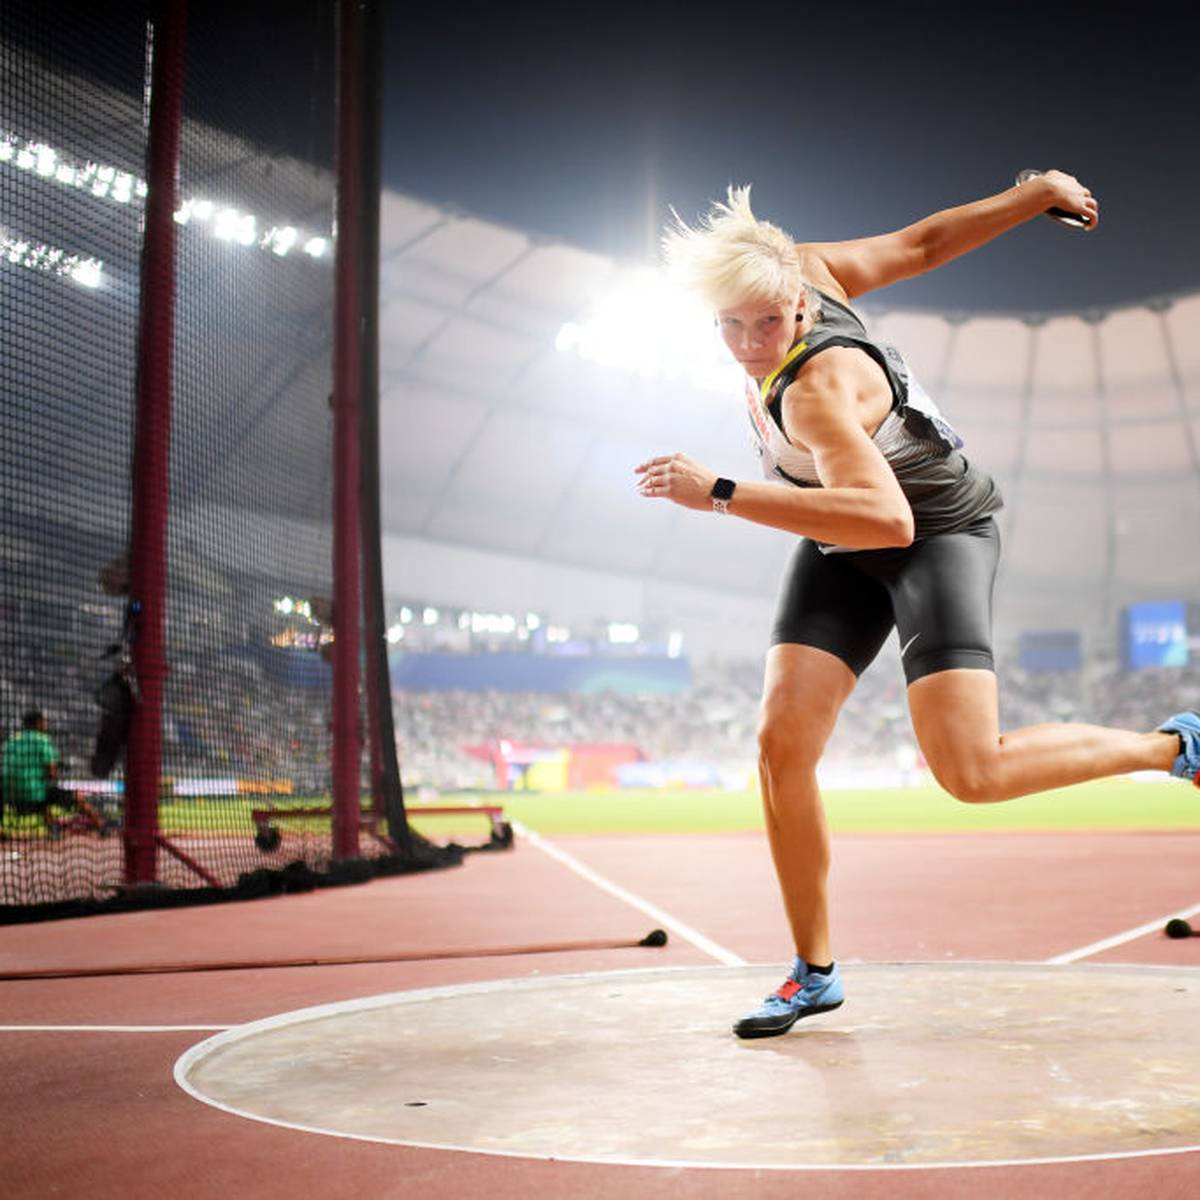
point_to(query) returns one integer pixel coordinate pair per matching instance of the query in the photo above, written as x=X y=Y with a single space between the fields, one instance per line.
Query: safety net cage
x=170 y=464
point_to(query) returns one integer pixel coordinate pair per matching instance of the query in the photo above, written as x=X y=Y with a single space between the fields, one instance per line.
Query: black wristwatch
x=722 y=493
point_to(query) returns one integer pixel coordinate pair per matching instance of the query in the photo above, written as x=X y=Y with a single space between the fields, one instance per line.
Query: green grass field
x=1111 y=804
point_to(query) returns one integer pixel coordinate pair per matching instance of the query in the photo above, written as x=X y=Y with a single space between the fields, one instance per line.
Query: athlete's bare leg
x=803 y=693
x=955 y=715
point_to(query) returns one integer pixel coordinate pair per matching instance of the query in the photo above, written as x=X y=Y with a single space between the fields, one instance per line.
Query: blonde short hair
x=732 y=257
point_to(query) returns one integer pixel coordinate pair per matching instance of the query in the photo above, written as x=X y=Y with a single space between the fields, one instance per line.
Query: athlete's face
x=759 y=335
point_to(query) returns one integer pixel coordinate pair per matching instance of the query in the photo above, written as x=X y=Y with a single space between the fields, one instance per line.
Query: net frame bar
x=347 y=455
x=387 y=789
x=152 y=443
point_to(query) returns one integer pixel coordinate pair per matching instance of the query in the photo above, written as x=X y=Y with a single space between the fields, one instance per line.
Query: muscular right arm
x=865 y=264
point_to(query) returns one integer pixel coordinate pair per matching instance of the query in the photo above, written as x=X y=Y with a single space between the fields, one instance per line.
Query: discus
x=1061 y=215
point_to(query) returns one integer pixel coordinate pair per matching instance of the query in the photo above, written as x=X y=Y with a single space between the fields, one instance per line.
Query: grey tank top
x=945 y=491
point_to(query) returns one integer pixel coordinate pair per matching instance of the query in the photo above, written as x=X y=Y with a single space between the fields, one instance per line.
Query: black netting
x=72 y=157
x=247 y=702
x=246 y=717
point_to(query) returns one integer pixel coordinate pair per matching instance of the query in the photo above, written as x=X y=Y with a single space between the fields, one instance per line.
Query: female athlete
x=897 y=531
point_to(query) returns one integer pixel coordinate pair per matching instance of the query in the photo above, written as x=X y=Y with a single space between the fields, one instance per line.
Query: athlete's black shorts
x=936 y=592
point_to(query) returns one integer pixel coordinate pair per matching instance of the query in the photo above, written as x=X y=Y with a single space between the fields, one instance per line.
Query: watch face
x=723 y=489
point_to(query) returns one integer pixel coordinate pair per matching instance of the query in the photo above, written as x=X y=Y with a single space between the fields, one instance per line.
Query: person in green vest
x=29 y=774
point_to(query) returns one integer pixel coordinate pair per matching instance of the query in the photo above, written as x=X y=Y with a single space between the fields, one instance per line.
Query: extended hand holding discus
x=1062 y=215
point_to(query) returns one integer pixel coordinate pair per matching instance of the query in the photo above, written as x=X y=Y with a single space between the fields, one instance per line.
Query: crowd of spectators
x=715 y=721
x=223 y=715
x=227 y=716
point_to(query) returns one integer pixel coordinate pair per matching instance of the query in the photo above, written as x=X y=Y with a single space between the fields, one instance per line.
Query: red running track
x=97 y=1114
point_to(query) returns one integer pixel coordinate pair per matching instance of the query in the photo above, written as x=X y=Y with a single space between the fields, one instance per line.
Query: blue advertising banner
x=1154 y=634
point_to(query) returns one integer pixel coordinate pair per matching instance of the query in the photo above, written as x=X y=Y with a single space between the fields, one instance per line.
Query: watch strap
x=722 y=493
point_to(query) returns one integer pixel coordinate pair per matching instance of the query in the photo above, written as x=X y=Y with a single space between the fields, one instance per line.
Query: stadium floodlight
x=406 y=615
x=395 y=633
x=621 y=634
x=532 y=621
x=87 y=272
x=674 y=644
x=226 y=224
x=280 y=241
x=51 y=260
x=493 y=623
x=105 y=181
x=646 y=326
x=430 y=616
x=557 y=633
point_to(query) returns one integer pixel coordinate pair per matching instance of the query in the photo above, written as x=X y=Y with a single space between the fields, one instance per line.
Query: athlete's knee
x=787 y=739
x=973 y=779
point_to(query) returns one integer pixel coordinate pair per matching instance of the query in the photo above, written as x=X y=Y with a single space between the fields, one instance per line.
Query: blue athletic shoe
x=1186 y=726
x=803 y=994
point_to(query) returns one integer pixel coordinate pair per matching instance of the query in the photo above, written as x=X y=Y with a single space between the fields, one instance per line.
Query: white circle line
x=201 y=1050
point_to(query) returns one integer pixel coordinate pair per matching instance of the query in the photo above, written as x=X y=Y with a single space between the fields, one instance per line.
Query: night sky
x=582 y=123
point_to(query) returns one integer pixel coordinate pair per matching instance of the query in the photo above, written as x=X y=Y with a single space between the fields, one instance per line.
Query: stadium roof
x=501 y=452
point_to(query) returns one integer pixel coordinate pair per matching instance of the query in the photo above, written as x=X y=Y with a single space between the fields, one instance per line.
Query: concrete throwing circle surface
x=924 y=1065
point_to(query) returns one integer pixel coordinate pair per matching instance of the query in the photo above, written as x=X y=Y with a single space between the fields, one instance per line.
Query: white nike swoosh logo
x=904 y=648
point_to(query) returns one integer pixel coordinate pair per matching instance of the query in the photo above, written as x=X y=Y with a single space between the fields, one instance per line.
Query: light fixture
x=646 y=326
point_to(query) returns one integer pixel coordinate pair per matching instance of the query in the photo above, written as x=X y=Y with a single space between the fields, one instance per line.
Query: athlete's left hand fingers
x=680 y=478
x=658 y=467
x=650 y=463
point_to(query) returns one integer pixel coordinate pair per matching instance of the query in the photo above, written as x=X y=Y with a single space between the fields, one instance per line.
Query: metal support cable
x=1024 y=423
x=1107 y=476
x=1190 y=432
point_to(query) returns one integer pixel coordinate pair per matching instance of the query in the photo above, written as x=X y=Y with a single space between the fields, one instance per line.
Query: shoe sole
x=763 y=1027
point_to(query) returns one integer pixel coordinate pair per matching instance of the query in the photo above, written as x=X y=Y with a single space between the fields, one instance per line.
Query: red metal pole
x=347 y=383
x=152 y=446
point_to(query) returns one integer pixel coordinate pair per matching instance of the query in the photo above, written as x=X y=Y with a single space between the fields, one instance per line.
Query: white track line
x=114 y=1028
x=697 y=939
x=1119 y=939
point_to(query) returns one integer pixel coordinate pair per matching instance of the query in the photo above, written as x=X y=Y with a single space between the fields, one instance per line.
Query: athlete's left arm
x=865 y=264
